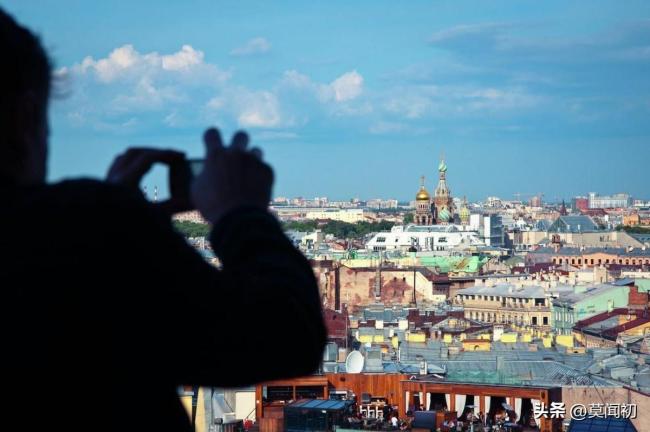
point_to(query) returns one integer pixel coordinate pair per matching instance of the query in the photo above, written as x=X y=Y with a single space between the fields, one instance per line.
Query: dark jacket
x=106 y=310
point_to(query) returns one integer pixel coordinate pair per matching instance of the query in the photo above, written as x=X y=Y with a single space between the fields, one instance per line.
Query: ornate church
x=440 y=209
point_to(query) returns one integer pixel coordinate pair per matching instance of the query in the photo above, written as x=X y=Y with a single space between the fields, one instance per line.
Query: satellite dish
x=354 y=362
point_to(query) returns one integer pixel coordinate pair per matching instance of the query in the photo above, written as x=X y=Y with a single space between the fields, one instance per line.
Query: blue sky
x=358 y=99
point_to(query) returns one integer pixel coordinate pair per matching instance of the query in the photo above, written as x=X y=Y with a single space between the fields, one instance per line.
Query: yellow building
x=476 y=345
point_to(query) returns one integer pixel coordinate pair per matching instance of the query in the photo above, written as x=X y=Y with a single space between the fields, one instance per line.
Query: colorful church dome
x=444 y=215
x=464 y=213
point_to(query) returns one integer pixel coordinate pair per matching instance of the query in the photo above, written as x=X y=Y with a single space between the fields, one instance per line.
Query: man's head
x=24 y=93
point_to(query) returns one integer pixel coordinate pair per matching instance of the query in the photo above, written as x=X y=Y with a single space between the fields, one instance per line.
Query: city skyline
x=360 y=100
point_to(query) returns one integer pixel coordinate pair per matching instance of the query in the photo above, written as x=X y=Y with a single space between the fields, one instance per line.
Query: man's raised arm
x=259 y=316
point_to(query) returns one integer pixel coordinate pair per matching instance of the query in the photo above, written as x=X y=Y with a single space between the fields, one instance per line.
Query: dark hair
x=28 y=69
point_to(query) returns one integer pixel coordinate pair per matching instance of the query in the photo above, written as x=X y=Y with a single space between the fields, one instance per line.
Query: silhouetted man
x=105 y=309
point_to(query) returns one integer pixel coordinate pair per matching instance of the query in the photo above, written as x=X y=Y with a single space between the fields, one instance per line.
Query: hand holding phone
x=130 y=167
x=232 y=176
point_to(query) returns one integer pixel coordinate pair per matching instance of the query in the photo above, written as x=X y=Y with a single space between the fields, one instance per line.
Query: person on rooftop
x=106 y=310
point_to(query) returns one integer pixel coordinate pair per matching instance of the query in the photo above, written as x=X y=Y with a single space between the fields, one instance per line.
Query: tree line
x=340 y=229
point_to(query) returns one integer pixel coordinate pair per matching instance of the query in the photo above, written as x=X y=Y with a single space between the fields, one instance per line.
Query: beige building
x=362 y=286
x=598 y=257
x=521 y=305
x=528 y=239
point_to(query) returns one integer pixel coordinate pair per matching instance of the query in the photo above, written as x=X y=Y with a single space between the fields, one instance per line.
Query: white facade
x=489 y=228
x=382 y=204
x=614 y=201
x=424 y=238
x=344 y=215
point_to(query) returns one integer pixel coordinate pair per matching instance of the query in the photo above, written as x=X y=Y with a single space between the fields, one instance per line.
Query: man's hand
x=129 y=168
x=232 y=177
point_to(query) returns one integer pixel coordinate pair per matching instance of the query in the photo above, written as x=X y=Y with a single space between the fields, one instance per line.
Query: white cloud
x=118 y=61
x=469 y=32
x=260 y=109
x=501 y=99
x=126 y=63
x=257 y=45
x=348 y=86
x=294 y=78
x=183 y=59
x=416 y=102
x=410 y=106
x=253 y=109
x=180 y=89
x=146 y=95
x=127 y=81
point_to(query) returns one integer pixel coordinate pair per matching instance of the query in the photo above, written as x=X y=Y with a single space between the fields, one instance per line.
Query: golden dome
x=423 y=195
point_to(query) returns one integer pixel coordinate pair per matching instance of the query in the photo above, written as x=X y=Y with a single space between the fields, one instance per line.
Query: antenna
x=354 y=362
x=415 y=302
x=378 y=278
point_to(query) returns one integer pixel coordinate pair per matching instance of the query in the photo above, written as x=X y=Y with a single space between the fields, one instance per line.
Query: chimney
x=500 y=363
x=424 y=370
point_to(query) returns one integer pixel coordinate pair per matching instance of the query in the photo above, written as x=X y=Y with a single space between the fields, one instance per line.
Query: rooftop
x=590 y=291
x=592 y=250
x=573 y=224
x=510 y=290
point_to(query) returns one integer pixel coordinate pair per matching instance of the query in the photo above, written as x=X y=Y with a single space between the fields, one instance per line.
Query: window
x=278 y=393
x=545 y=321
x=309 y=392
x=442 y=240
x=381 y=239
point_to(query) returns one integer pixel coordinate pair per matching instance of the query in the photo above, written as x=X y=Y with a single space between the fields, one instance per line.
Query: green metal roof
x=470 y=264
